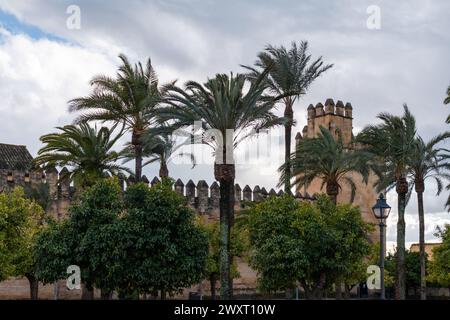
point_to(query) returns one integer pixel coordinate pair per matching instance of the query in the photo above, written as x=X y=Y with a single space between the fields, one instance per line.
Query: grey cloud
x=376 y=70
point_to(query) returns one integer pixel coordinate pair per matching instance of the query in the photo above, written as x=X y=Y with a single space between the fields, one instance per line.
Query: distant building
x=15 y=165
x=428 y=248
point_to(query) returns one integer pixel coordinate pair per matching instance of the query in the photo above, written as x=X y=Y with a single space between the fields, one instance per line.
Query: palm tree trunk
x=332 y=191
x=402 y=190
x=163 y=170
x=224 y=173
x=212 y=280
x=136 y=142
x=420 y=188
x=138 y=167
x=289 y=115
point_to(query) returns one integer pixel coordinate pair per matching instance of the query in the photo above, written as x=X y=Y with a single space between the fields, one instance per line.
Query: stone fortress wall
x=201 y=197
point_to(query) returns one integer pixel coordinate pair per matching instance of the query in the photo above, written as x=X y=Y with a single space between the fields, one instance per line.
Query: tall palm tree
x=290 y=76
x=391 y=143
x=427 y=162
x=447 y=101
x=328 y=159
x=223 y=107
x=85 y=149
x=130 y=99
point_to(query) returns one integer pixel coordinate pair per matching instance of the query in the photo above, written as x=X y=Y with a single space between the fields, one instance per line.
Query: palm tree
x=391 y=143
x=85 y=149
x=447 y=101
x=328 y=159
x=290 y=76
x=129 y=99
x=228 y=113
x=427 y=162
x=160 y=147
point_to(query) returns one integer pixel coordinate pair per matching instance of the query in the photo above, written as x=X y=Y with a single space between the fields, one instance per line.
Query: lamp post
x=381 y=211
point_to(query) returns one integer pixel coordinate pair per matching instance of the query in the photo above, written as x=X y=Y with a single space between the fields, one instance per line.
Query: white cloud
x=37 y=78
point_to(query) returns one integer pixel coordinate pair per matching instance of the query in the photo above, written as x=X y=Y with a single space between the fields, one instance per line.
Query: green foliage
x=80 y=240
x=20 y=220
x=291 y=71
x=439 y=271
x=85 y=149
x=213 y=261
x=166 y=250
x=327 y=159
x=412 y=265
x=312 y=243
x=54 y=251
x=142 y=242
x=39 y=193
x=392 y=144
x=130 y=99
x=221 y=104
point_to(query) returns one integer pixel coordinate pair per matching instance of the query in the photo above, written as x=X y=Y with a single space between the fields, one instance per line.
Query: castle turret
x=145 y=180
x=247 y=193
x=348 y=110
x=52 y=181
x=154 y=181
x=64 y=178
x=334 y=117
x=190 y=192
x=215 y=195
x=319 y=110
x=202 y=196
x=329 y=106
x=257 y=196
x=179 y=187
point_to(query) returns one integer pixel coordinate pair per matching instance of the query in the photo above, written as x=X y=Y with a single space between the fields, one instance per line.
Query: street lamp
x=381 y=211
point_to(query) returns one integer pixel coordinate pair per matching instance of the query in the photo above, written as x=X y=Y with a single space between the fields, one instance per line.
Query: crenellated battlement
x=332 y=116
x=330 y=108
x=202 y=197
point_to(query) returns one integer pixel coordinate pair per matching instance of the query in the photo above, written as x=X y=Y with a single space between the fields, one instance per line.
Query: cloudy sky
x=44 y=62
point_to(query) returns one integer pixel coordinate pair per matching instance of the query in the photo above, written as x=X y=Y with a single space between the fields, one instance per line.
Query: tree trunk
x=289 y=114
x=317 y=293
x=163 y=294
x=420 y=188
x=137 y=144
x=338 y=286
x=402 y=190
x=105 y=294
x=347 y=293
x=224 y=173
x=87 y=292
x=56 y=290
x=163 y=170
x=212 y=281
x=34 y=287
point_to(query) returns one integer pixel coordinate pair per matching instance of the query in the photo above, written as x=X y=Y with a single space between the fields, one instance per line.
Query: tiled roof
x=14 y=157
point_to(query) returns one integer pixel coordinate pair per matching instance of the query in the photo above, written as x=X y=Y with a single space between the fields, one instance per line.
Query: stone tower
x=336 y=117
